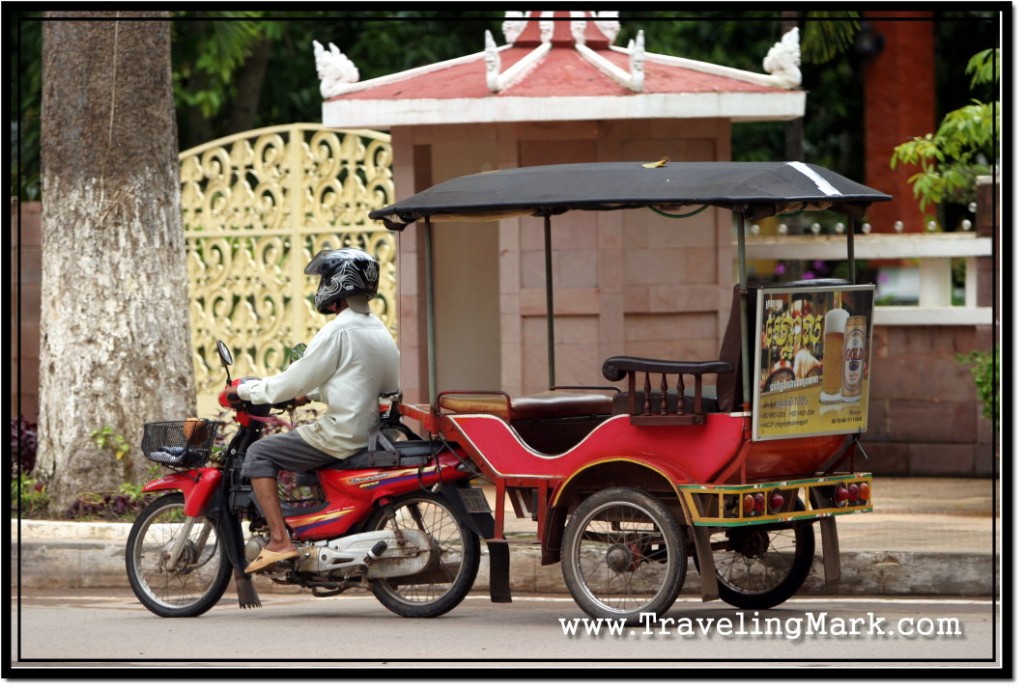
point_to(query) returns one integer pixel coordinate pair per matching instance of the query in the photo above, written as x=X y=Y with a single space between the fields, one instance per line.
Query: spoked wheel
x=623 y=554
x=453 y=565
x=188 y=586
x=763 y=566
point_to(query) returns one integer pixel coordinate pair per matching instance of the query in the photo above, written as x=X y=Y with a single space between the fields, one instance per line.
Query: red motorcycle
x=398 y=519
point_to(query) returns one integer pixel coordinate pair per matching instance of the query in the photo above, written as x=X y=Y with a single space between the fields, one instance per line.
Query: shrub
x=124 y=503
x=985 y=368
x=28 y=496
x=24 y=442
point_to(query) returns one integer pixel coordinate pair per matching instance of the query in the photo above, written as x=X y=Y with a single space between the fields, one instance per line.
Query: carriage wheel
x=763 y=566
x=623 y=555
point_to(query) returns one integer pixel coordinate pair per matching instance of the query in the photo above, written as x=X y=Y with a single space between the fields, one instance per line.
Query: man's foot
x=268 y=558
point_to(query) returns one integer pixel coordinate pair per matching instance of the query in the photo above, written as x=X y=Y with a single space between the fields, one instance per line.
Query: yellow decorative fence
x=257 y=206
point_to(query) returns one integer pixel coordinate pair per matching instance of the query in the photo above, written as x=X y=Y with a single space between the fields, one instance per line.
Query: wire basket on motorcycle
x=179 y=443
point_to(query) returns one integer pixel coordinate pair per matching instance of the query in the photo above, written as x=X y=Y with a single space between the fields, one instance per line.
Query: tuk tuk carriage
x=729 y=461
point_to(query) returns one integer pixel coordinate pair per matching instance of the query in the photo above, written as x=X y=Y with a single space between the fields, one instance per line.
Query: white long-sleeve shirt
x=347 y=365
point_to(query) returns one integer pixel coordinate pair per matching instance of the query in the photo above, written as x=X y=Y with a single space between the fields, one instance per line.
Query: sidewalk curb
x=92 y=556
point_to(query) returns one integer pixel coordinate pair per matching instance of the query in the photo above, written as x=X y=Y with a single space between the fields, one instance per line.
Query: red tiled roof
x=563 y=72
x=565 y=76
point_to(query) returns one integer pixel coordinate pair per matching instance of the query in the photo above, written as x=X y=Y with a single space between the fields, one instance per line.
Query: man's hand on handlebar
x=229 y=396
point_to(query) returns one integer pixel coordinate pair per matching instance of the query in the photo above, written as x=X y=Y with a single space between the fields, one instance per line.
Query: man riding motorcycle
x=347 y=364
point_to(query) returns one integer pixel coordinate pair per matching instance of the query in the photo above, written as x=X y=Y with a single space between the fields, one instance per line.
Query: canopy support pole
x=428 y=258
x=550 y=300
x=850 y=227
x=741 y=244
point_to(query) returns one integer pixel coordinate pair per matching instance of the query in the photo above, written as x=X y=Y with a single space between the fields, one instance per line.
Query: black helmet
x=343 y=273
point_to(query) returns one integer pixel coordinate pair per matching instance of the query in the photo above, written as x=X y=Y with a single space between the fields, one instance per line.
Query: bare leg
x=265 y=489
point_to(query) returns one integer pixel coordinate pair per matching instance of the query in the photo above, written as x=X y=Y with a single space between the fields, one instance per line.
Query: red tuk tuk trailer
x=729 y=461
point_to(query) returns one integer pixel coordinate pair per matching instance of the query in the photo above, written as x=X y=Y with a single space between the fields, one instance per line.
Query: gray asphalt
x=925 y=537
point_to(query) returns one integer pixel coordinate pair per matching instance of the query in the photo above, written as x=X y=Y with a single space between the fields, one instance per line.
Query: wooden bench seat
x=658 y=402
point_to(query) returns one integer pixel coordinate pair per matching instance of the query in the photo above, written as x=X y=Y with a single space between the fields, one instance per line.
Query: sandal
x=266 y=559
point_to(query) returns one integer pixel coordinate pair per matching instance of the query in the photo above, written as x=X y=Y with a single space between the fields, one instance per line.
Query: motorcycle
x=399 y=519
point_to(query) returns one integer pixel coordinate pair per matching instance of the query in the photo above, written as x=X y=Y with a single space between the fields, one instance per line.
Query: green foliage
x=273 y=59
x=107 y=438
x=121 y=504
x=827 y=35
x=985 y=369
x=26 y=87
x=31 y=497
x=962 y=148
x=295 y=353
x=124 y=504
x=832 y=126
x=983 y=67
x=238 y=70
x=217 y=47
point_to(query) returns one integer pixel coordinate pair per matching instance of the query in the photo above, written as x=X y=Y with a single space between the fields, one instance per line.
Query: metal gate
x=257 y=206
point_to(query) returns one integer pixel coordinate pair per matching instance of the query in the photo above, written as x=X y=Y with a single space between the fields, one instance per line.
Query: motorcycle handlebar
x=296 y=402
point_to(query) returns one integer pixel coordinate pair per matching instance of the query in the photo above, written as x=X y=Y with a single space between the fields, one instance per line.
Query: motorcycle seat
x=412 y=453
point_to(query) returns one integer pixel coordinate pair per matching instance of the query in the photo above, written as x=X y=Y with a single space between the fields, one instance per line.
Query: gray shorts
x=286 y=451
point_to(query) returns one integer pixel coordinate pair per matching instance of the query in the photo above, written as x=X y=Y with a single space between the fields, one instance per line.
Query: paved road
x=110 y=629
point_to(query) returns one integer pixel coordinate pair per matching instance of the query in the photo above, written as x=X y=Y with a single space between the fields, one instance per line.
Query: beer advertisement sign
x=812 y=361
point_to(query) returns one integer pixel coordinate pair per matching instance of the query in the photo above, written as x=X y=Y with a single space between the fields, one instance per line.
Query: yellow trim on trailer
x=709 y=505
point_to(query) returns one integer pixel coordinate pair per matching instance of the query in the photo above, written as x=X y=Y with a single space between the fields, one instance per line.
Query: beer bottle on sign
x=855 y=354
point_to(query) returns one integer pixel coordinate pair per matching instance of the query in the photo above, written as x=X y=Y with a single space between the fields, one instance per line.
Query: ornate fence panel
x=257 y=206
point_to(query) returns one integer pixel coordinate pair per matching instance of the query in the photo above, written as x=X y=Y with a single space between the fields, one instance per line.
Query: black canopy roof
x=756 y=190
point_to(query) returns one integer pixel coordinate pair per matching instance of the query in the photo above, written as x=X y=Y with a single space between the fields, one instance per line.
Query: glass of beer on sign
x=833 y=357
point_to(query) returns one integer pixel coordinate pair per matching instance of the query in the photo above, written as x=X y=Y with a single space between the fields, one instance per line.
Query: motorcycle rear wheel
x=453 y=568
x=200 y=577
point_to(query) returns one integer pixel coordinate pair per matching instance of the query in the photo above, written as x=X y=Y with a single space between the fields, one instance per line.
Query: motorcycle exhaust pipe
x=375 y=552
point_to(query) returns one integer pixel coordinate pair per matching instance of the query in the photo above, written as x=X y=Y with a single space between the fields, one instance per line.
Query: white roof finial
x=636 y=62
x=547 y=26
x=335 y=70
x=498 y=80
x=783 y=60
x=607 y=22
x=492 y=61
x=513 y=25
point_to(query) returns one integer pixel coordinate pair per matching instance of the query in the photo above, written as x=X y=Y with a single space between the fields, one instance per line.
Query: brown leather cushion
x=540 y=406
x=484 y=403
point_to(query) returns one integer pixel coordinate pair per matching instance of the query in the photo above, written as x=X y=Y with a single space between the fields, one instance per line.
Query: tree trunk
x=115 y=339
x=793 y=147
x=249 y=85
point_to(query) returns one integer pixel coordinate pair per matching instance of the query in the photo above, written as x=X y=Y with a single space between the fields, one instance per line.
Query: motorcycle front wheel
x=199 y=577
x=453 y=566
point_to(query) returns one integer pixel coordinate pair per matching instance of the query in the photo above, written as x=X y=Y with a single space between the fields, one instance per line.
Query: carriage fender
x=628 y=472
x=630 y=479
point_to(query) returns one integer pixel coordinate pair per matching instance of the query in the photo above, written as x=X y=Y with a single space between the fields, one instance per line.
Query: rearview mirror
x=226 y=358
x=225 y=354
